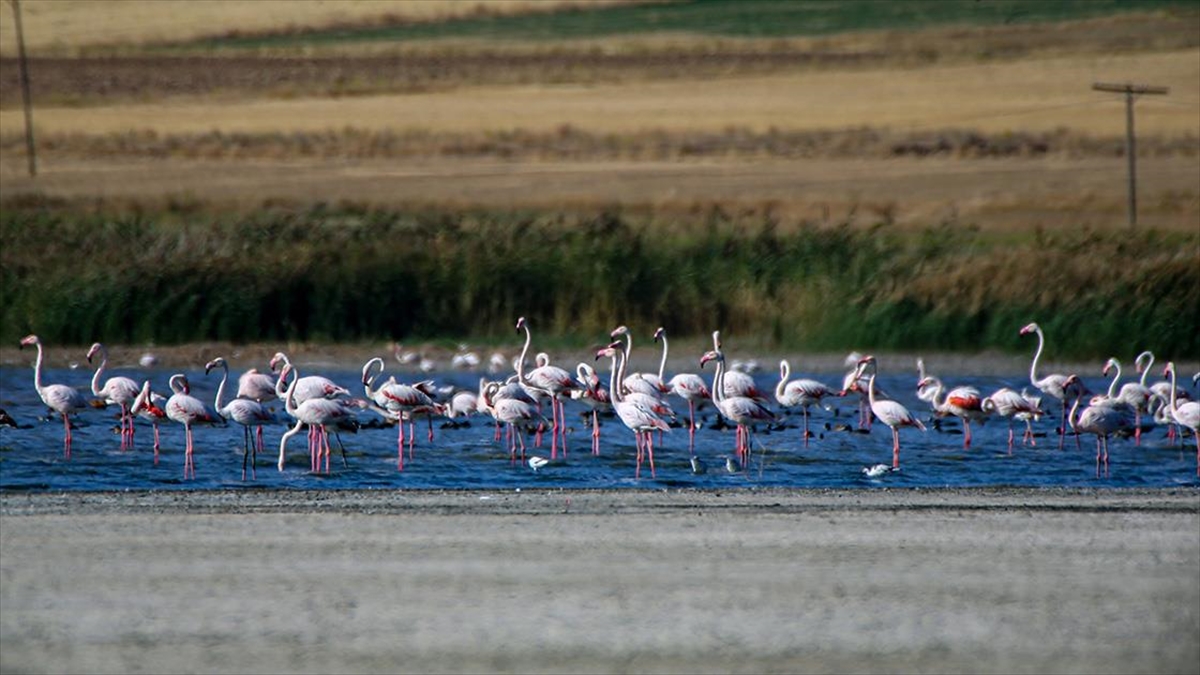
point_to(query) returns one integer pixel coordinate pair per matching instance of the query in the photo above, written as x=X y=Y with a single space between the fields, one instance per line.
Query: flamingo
x=743 y=411
x=1160 y=393
x=647 y=383
x=149 y=405
x=1185 y=414
x=801 y=392
x=117 y=390
x=397 y=402
x=855 y=382
x=519 y=415
x=547 y=381
x=891 y=413
x=1051 y=385
x=310 y=386
x=189 y=411
x=256 y=386
x=318 y=414
x=964 y=403
x=1103 y=417
x=634 y=411
x=1012 y=405
x=60 y=398
x=1133 y=393
x=245 y=411
x=593 y=395
x=691 y=388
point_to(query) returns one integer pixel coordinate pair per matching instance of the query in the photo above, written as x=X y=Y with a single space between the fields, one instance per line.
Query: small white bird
x=698 y=466
x=536 y=463
x=876 y=471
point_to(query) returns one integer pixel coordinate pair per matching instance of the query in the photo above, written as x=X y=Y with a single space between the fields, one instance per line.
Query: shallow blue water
x=31 y=456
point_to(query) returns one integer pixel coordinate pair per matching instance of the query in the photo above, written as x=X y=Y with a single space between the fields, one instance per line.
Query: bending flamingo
x=117 y=390
x=891 y=413
x=1185 y=414
x=595 y=396
x=246 y=412
x=318 y=414
x=149 y=405
x=60 y=398
x=802 y=392
x=1012 y=405
x=519 y=416
x=964 y=403
x=189 y=411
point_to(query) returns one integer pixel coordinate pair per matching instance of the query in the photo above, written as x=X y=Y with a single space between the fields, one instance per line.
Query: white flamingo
x=634 y=411
x=963 y=402
x=745 y=412
x=309 y=386
x=256 y=386
x=1011 y=405
x=891 y=413
x=398 y=402
x=1052 y=385
x=1134 y=393
x=1103 y=417
x=594 y=396
x=245 y=411
x=318 y=413
x=189 y=411
x=546 y=381
x=1185 y=414
x=117 y=390
x=60 y=398
x=650 y=384
x=519 y=415
x=800 y=392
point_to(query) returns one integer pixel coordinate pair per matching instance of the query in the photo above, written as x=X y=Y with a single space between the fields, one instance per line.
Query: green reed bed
x=351 y=272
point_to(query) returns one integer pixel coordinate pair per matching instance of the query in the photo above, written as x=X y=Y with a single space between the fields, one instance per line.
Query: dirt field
x=770 y=581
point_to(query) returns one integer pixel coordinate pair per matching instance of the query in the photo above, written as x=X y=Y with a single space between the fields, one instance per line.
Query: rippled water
x=31 y=456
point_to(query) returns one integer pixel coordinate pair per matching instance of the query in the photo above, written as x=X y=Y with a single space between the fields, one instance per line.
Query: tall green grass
x=352 y=272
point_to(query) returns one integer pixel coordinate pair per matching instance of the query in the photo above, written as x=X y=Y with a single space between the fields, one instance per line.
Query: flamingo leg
x=156 y=444
x=595 y=433
x=650 y=450
x=245 y=449
x=67 y=437
x=1062 y=428
x=1010 y=436
x=806 y=426
x=187 y=454
x=967 y=435
x=691 y=427
x=895 y=448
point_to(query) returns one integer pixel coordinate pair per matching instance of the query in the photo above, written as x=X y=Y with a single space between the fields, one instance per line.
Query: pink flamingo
x=547 y=381
x=1052 y=385
x=964 y=403
x=633 y=410
x=650 y=384
x=1133 y=393
x=801 y=392
x=1011 y=405
x=189 y=411
x=60 y=398
x=256 y=386
x=1161 y=396
x=149 y=405
x=519 y=415
x=396 y=401
x=309 y=386
x=116 y=390
x=1185 y=414
x=743 y=411
x=891 y=413
x=245 y=411
x=318 y=414
x=1102 y=417
x=691 y=388
x=594 y=396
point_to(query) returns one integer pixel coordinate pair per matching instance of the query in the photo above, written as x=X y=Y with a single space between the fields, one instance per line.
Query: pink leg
x=1137 y=426
x=650 y=450
x=595 y=433
x=806 y=427
x=967 y=435
x=67 y=437
x=691 y=427
x=412 y=437
x=895 y=448
x=328 y=450
x=400 y=446
x=156 y=444
x=1010 y=436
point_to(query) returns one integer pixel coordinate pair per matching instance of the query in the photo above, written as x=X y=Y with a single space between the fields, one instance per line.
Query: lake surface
x=31 y=455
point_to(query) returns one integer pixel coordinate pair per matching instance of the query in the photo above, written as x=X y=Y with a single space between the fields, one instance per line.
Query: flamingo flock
x=639 y=401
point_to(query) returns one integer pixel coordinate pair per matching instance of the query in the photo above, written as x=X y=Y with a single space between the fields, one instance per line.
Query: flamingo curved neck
x=37 y=369
x=368 y=378
x=1112 y=386
x=1145 y=369
x=524 y=351
x=662 y=364
x=1171 y=402
x=99 y=370
x=939 y=391
x=176 y=383
x=785 y=373
x=614 y=387
x=221 y=387
x=1037 y=355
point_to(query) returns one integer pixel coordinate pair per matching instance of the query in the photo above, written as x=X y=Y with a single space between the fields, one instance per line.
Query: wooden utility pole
x=26 y=98
x=1130 y=140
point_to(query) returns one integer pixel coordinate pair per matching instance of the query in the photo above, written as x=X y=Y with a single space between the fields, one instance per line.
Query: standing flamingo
x=547 y=381
x=318 y=413
x=1102 y=417
x=634 y=412
x=149 y=405
x=1185 y=414
x=1011 y=405
x=891 y=413
x=743 y=411
x=117 y=390
x=518 y=414
x=256 y=386
x=396 y=401
x=647 y=383
x=595 y=396
x=801 y=392
x=1133 y=393
x=246 y=412
x=60 y=398
x=1052 y=385
x=189 y=411
x=964 y=403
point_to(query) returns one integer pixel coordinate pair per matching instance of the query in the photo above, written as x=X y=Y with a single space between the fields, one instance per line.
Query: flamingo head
x=619 y=330
x=1109 y=365
x=276 y=360
x=215 y=363
x=521 y=324
x=717 y=340
x=1029 y=329
x=713 y=355
x=29 y=340
x=1169 y=369
x=660 y=333
x=96 y=347
x=1143 y=361
x=927 y=381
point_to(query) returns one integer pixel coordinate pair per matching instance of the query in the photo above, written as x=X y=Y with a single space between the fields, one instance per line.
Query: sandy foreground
x=1033 y=581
